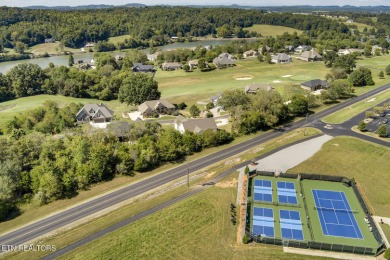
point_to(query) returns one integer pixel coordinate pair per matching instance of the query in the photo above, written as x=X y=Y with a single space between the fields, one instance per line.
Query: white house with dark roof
x=152 y=107
x=197 y=126
x=95 y=113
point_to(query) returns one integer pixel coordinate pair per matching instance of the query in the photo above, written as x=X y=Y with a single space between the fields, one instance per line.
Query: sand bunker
x=276 y=81
x=371 y=100
x=286 y=76
x=244 y=78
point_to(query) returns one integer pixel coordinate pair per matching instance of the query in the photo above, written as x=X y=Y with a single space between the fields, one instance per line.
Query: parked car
x=385 y=121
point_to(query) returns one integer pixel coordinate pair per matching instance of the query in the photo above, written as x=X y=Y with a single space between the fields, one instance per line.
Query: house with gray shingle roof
x=281 y=58
x=197 y=126
x=314 y=84
x=96 y=113
x=223 y=60
x=139 y=67
x=152 y=107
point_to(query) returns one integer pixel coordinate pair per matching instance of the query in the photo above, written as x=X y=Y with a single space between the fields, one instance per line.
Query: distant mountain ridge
x=293 y=8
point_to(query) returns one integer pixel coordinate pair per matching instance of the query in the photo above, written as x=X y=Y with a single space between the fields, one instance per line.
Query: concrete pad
x=293 y=155
x=134 y=115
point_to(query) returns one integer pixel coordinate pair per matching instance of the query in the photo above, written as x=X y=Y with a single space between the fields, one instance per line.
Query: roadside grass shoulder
x=368 y=163
x=271 y=30
x=370 y=134
x=351 y=111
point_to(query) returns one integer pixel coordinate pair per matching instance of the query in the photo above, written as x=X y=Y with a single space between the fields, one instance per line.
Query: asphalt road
x=66 y=217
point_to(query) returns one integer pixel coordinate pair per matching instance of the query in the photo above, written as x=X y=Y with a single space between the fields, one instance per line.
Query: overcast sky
x=196 y=2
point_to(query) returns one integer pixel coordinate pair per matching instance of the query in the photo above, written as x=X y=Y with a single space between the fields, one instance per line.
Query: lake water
x=86 y=57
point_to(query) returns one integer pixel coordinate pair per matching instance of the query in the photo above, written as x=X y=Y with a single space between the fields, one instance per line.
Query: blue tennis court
x=263 y=190
x=287 y=193
x=335 y=214
x=263 y=222
x=291 y=225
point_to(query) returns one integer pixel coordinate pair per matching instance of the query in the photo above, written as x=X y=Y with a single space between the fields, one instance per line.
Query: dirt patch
x=276 y=81
x=335 y=144
x=227 y=184
x=286 y=76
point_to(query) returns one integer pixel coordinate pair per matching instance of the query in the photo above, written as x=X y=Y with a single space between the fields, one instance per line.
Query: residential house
x=50 y=40
x=89 y=45
x=315 y=84
x=349 y=51
x=197 y=126
x=310 y=56
x=289 y=48
x=139 y=67
x=224 y=60
x=152 y=107
x=250 y=53
x=193 y=64
x=152 y=57
x=301 y=48
x=349 y=21
x=254 y=87
x=214 y=99
x=96 y=113
x=281 y=58
x=171 y=66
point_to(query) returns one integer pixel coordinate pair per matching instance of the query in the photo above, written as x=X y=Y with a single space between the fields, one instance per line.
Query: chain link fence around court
x=319 y=245
x=312 y=245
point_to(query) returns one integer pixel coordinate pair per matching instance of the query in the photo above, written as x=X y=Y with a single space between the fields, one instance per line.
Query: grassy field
x=199 y=86
x=368 y=163
x=271 y=30
x=117 y=39
x=50 y=48
x=198 y=227
x=348 y=112
x=360 y=26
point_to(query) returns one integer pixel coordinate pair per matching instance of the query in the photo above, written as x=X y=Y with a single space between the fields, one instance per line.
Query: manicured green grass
x=271 y=30
x=195 y=86
x=348 y=112
x=368 y=163
x=117 y=39
x=11 y=108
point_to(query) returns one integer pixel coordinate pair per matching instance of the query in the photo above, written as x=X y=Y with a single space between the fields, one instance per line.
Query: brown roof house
x=250 y=53
x=96 y=113
x=314 y=84
x=310 y=56
x=254 y=87
x=153 y=107
x=171 y=66
x=196 y=126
